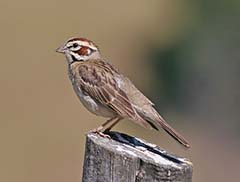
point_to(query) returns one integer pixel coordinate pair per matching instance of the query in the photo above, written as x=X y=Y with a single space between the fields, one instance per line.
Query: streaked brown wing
x=98 y=81
x=136 y=97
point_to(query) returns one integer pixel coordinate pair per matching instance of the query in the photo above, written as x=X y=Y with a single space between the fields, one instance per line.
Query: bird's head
x=79 y=49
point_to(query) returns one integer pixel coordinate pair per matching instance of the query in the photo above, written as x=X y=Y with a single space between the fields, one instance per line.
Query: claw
x=99 y=132
x=96 y=130
x=103 y=135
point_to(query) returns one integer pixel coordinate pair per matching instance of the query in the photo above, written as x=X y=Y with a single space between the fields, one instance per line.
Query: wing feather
x=97 y=79
x=104 y=84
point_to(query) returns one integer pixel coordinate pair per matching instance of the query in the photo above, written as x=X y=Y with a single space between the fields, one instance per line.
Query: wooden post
x=128 y=159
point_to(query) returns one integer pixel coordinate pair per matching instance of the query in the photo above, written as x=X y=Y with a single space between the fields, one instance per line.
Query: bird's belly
x=94 y=106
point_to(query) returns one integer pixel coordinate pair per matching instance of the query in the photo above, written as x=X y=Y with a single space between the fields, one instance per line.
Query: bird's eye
x=75 y=45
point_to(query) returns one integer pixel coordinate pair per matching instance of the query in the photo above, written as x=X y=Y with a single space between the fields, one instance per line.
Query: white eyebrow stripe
x=83 y=43
x=87 y=44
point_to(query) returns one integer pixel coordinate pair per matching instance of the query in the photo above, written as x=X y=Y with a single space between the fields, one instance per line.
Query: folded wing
x=98 y=81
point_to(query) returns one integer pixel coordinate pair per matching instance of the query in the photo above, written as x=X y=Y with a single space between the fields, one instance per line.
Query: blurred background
x=184 y=55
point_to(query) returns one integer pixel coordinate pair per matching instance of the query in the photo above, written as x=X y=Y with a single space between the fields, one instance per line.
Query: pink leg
x=113 y=124
x=100 y=128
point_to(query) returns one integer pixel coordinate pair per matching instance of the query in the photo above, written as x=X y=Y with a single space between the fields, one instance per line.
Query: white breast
x=90 y=103
x=93 y=106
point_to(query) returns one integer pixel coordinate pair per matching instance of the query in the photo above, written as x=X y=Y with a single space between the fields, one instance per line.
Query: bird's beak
x=61 y=49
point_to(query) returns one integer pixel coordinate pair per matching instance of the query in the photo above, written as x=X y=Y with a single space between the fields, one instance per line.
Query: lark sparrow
x=106 y=92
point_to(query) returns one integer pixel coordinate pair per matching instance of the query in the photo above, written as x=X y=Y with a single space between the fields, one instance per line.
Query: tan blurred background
x=183 y=54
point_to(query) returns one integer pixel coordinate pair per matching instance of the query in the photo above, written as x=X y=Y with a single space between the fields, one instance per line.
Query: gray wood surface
x=129 y=159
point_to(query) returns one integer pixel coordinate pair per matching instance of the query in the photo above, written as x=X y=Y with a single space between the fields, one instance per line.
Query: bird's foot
x=99 y=132
x=103 y=135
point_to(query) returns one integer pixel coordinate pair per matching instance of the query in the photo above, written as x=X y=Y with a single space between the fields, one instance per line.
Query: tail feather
x=173 y=132
x=156 y=121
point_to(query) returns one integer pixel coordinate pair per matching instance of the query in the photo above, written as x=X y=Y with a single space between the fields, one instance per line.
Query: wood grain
x=128 y=159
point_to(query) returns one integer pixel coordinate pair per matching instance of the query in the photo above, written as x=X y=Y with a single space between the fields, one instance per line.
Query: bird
x=105 y=92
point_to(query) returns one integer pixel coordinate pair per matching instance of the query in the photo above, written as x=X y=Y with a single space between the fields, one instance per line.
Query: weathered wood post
x=128 y=159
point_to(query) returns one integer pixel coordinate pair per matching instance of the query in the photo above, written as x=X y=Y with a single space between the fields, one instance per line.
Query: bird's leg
x=113 y=124
x=99 y=129
x=108 y=121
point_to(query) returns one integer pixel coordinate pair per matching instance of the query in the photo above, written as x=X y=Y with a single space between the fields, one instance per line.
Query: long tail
x=172 y=132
